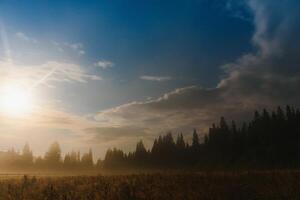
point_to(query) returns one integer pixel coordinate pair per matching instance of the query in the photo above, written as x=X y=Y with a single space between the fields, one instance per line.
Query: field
x=162 y=186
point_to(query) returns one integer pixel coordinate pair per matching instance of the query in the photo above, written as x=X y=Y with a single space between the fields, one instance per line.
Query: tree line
x=269 y=140
x=52 y=159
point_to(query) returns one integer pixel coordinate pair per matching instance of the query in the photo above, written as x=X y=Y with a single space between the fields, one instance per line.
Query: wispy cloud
x=46 y=73
x=104 y=64
x=76 y=47
x=25 y=37
x=238 y=9
x=156 y=78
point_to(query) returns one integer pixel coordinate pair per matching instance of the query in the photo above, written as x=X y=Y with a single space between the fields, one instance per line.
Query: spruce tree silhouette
x=267 y=141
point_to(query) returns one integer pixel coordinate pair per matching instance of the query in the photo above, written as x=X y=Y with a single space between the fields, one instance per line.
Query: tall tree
x=195 y=142
x=53 y=155
x=27 y=155
x=180 y=143
x=87 y=159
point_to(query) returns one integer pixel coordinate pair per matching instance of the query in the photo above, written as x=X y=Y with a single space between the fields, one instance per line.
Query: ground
x=162 y=186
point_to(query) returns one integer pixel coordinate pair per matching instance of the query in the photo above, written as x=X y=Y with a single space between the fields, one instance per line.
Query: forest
x=271 y=140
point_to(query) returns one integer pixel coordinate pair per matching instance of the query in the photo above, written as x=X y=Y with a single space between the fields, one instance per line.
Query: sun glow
x=15 y=100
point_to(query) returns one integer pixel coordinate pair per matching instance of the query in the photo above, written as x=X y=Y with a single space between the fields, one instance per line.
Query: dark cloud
x=107 y=134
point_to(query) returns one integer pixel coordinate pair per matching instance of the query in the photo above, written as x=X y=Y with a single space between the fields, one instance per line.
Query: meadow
x=151 y=186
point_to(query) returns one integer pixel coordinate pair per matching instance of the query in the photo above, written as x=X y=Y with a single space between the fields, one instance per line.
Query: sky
x=105 y=74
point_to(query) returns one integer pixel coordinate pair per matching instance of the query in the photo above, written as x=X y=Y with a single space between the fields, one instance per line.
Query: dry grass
x=164 y=186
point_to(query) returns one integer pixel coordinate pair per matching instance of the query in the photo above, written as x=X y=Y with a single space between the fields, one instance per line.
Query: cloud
x=75 y=47
x=81 y=52
x=267 y=78
x=155 y=78
x=179 y=110
x=108 y=134
x=104 y=64
x=26 y=38
x=238 y=9
x=45 y=74
x=49 y=117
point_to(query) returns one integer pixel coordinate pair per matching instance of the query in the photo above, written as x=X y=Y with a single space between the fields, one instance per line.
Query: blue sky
x=185 y=40
x=125 y=70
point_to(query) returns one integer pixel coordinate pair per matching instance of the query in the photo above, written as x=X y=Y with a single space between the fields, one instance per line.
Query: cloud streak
x=26 y=38
x=45 y=74
x=104 y=64
x=155 y=78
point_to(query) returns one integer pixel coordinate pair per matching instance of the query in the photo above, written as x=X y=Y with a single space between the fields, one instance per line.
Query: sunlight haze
x=101 y=74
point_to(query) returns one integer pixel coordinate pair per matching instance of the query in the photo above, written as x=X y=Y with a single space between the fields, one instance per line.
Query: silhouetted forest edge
x=271 y=140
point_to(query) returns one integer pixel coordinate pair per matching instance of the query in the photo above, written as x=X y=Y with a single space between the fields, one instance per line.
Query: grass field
x=163 y=186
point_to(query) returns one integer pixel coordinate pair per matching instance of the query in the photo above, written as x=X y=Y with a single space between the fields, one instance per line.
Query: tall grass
x=161 y=186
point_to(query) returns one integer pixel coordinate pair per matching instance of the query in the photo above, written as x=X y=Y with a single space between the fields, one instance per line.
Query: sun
x=15 y=100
